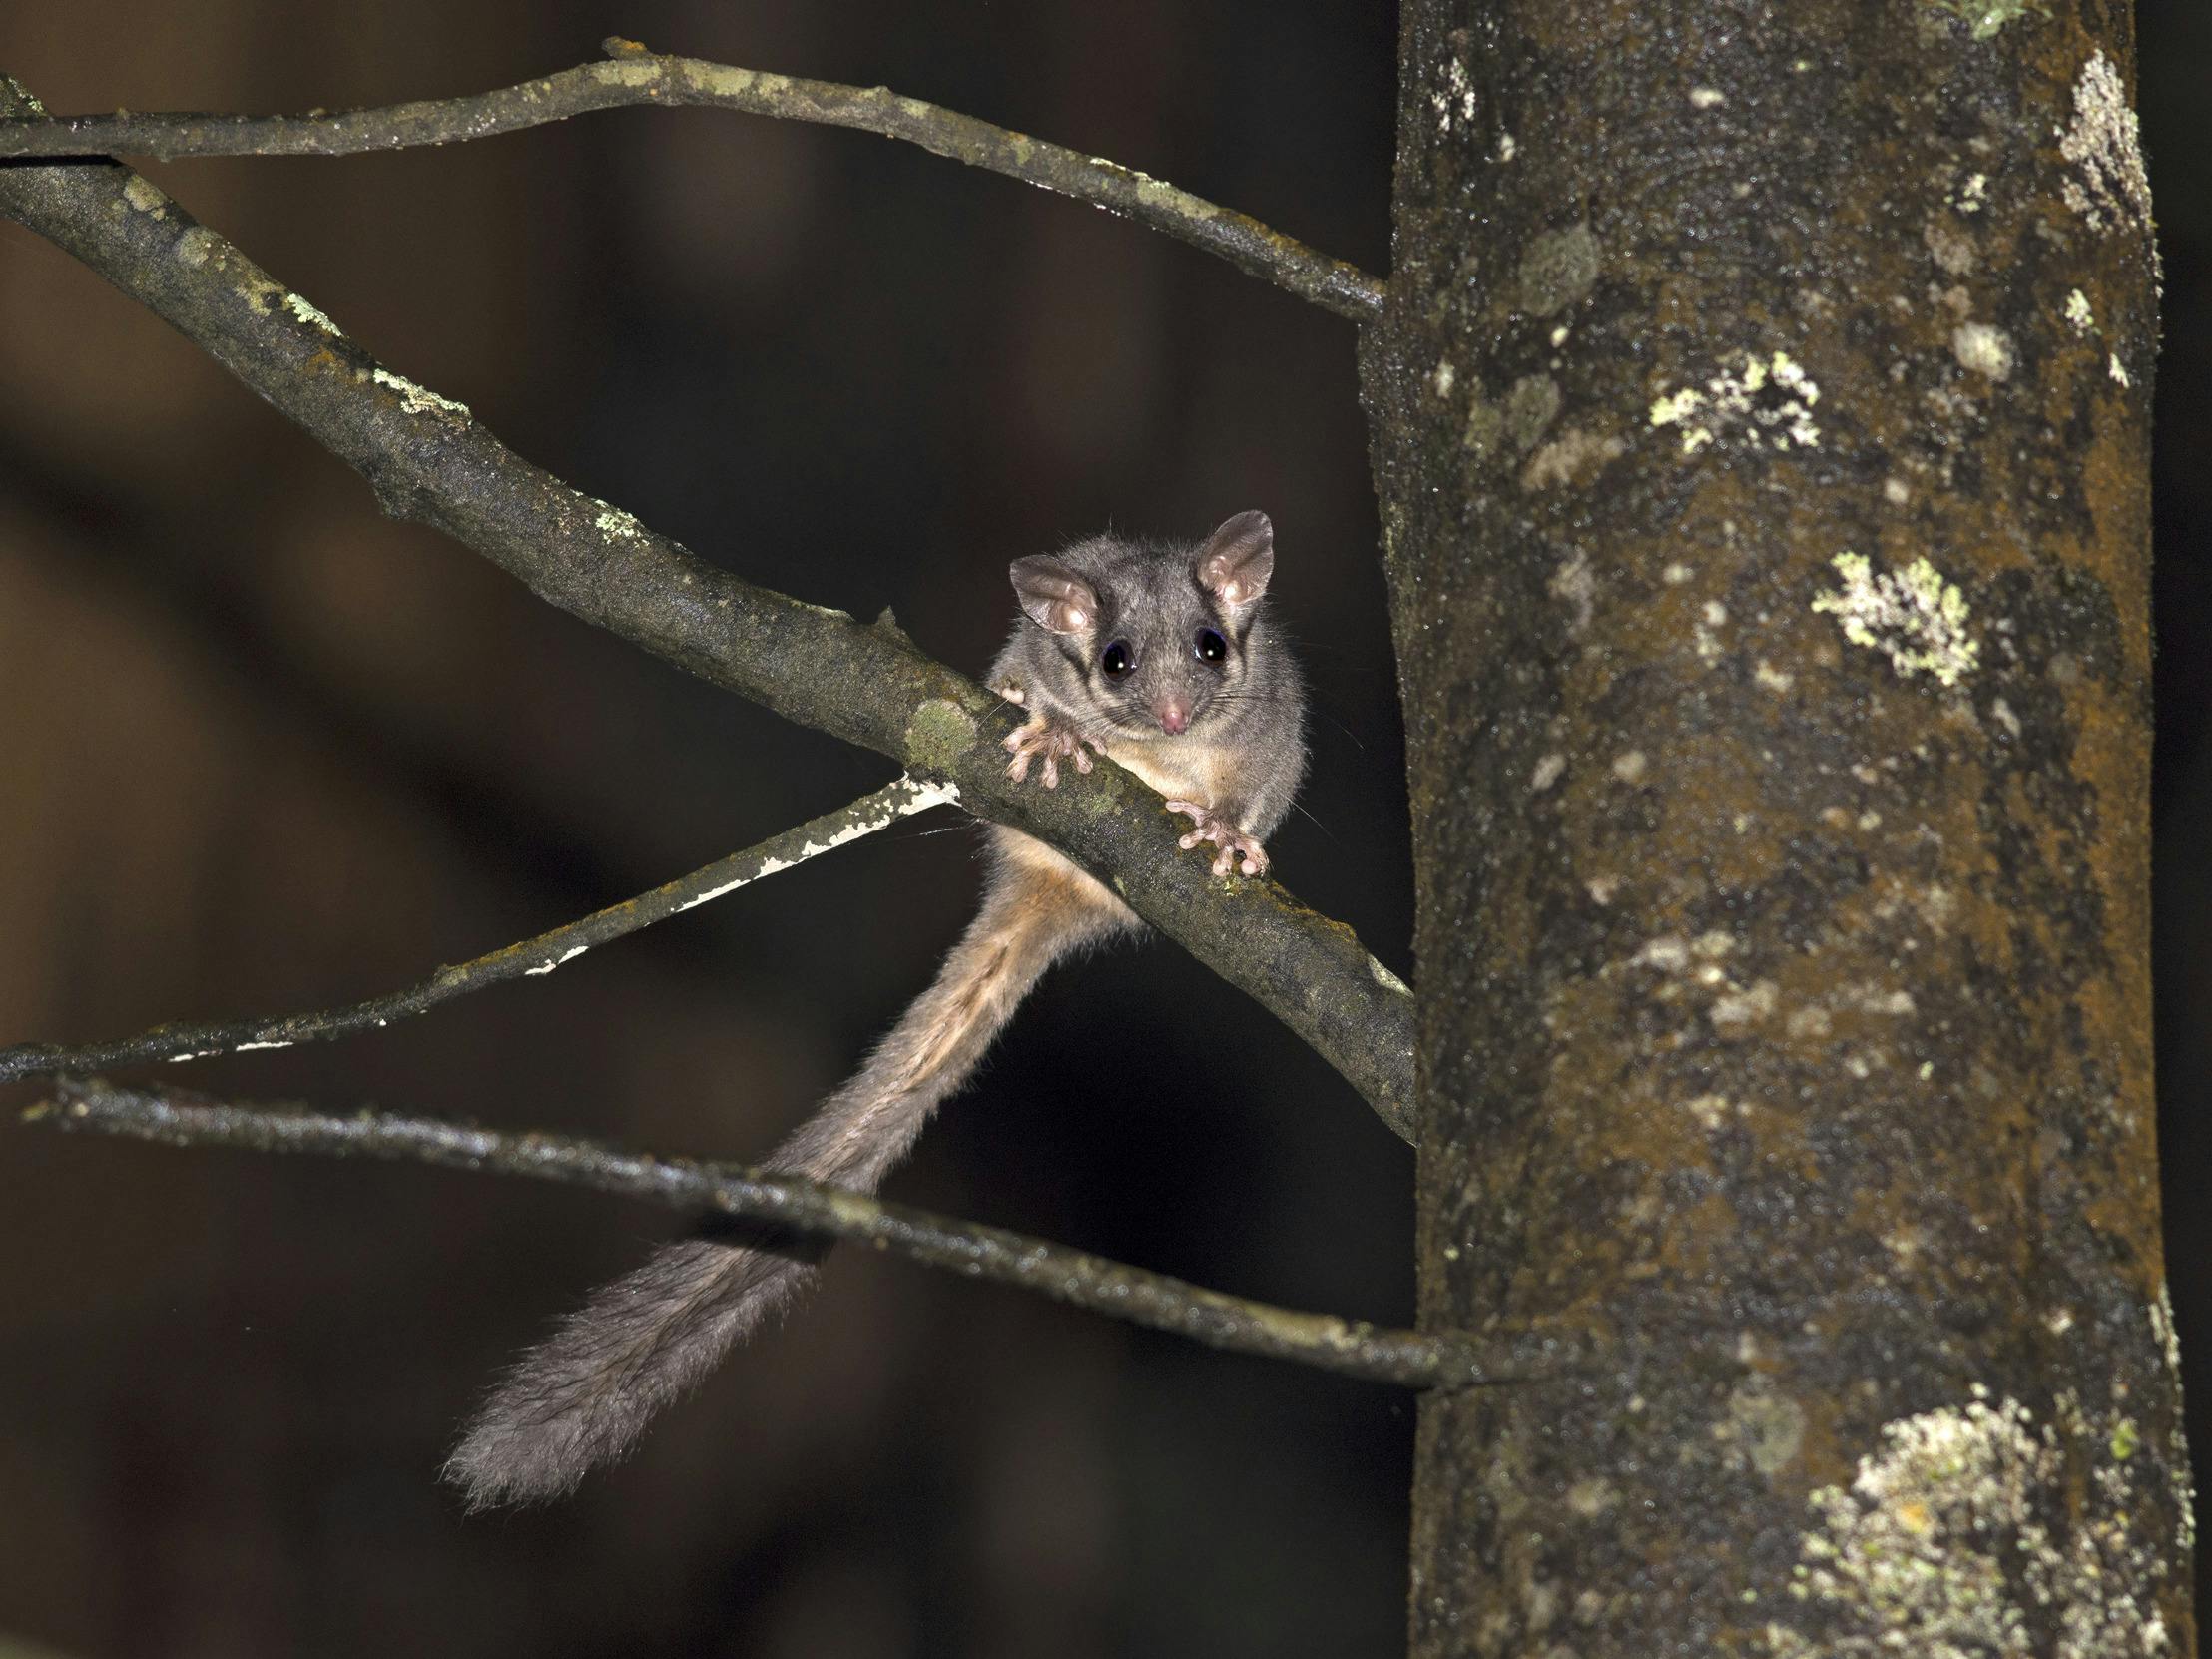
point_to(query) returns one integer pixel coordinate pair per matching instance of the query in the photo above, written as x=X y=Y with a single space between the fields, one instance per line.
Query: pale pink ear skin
x=1054 y=596
x=1236 y=561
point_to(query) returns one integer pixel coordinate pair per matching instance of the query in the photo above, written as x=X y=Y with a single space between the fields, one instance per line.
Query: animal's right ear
x=1054 y=596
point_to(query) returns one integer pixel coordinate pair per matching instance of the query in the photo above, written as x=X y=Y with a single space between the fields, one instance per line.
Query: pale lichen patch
x=1711 y=1110
x=1511 y=424
x=2117 y=371
x=1875 y=1001
x=143 y=194
x=912 y=795
x=627 y=72
x=1575 y=583
x=1559 y=270
x=724 y=79
x=1569 y=456
x=1153 y=193
x=1592 y=1496
x=1943 y=1543
x=2162 y=1329
x=306 y=312
x=1744 y=1006
x=1914 y=617
x=1985 y=18
x=1762 y=402
x=1809 y=1021
x=2104 y=145
x=1985 y=350
x=1705 y=637
x=194 y=247
x=2078 y=312
x=1454 y=100
x=1385 y=978
x=1950 y=248
x=613 y=524
x=1764 y=1427
x=417 y=400
x=2177 y=1452
x=939 y=734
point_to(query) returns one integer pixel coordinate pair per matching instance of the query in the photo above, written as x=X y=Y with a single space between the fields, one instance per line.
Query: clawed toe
x=1238 y=850
x=1055 y=742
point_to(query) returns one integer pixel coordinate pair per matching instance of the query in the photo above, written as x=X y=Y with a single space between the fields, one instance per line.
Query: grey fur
x=1248 y=724
x=583 y=1396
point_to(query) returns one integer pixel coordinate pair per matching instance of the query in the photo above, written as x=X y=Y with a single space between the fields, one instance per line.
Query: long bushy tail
x=584 y=1395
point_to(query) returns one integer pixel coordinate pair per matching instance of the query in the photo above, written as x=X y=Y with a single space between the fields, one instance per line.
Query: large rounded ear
x=1235 y=562
x=1054 y=596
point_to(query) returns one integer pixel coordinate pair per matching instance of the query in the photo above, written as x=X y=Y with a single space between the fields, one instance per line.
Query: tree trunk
x=1761 y=423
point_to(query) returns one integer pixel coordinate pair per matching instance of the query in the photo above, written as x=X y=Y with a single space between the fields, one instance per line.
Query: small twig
x=528 y=959
x=1349 y=1347
x=636 y=76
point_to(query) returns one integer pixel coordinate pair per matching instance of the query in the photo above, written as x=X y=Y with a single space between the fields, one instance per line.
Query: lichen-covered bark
x=1760 y=424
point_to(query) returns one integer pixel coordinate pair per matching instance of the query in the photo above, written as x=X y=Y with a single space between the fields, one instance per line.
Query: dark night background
x=264 y=750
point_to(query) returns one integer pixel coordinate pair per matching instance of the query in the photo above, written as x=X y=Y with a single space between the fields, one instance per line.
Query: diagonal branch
x=530 y=958
x=430 y=460
x=1349 y=1347
x=635 y=76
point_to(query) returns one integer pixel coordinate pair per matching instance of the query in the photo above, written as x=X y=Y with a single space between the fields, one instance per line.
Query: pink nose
x=1175 y=717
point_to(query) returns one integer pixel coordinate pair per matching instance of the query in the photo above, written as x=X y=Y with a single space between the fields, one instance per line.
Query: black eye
x=1117 y=660
x=1210 y=647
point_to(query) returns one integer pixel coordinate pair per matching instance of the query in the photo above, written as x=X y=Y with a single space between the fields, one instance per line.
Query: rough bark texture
x=1760 y=416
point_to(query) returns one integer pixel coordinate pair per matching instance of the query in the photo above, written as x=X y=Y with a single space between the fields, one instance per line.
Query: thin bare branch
x=635 y=76
x=1349 y=1347
x=530 y=958
x=428 y=459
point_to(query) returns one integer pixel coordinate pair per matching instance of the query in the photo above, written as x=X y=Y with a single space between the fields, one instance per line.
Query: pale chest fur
x=1198 y=772
x=1189 y=771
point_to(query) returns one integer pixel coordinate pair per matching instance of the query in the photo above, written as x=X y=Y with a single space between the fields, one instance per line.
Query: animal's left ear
x=1235 y=562
x=1053 y=595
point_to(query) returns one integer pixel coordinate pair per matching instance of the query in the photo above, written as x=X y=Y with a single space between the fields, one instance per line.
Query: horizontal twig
x=635 y=76
x=530 y=958
x=1352 y=1347
x=430 y=460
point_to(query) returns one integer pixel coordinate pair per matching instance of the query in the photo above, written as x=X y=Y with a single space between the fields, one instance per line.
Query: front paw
x=1054 y=740
x=1235 y=845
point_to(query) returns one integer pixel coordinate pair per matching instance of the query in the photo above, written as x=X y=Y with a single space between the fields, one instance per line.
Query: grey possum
x=1159 y=655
